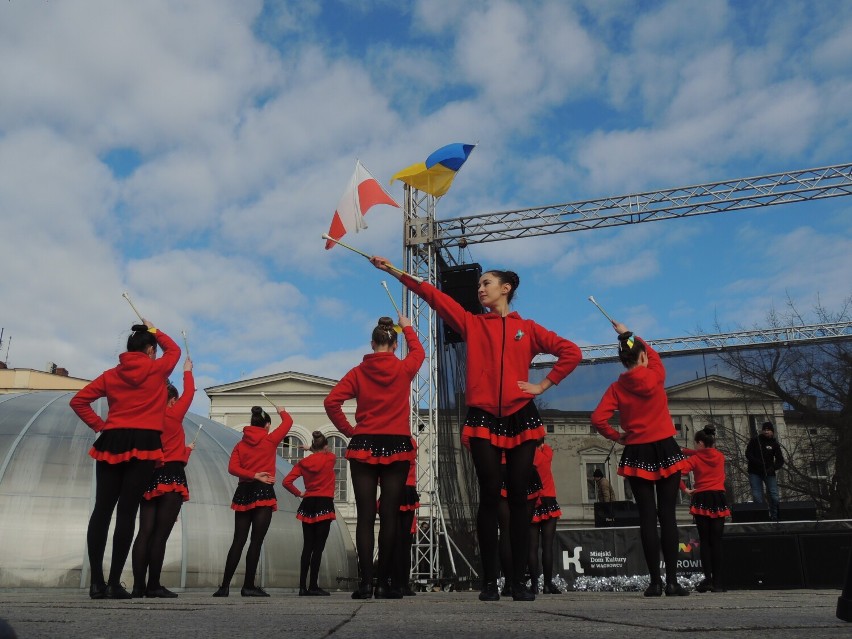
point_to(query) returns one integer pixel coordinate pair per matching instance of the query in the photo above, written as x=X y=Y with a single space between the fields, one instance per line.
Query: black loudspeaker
x=749 y=513
x=616 y=514
x=825 y=557
x=797 y=511
x=761 y=561
x=461 y=283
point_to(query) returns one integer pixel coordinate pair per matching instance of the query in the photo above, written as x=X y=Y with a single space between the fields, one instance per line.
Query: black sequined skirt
x=380 y=449
x=119 y=445
x=314 y=509
x=710 y=503
x=546 y=508
x=410 y=499
x=652 y=461
x=168 y=478
x=253 y=494
x=508 y=431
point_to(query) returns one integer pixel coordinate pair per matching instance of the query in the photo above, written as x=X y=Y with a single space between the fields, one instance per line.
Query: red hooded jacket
x=542 y=461
x=317 y=469
x=256 y=452
x=381 y=384
x=640 y=398
x=174 y=438
x=499 y=351
x=135 y=390
x=707 y=466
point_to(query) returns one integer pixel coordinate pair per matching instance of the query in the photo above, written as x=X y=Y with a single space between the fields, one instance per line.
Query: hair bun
x=256 y=410
x=710 y=430
x=386 y=323
x=316 y=434
x=138 y=327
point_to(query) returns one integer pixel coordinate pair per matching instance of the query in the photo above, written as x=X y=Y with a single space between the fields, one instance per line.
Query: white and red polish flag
x=362 y=193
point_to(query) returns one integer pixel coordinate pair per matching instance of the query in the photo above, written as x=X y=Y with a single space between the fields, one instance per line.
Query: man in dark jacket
x=764 y=458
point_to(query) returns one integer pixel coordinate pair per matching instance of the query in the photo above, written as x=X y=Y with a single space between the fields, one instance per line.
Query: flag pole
x=387 y=290
x=393 y=268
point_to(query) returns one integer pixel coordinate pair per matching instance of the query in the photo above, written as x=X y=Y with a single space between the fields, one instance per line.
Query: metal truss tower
x=426 y=239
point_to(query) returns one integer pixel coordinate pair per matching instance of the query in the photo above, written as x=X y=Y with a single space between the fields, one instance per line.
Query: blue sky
x=192 y=154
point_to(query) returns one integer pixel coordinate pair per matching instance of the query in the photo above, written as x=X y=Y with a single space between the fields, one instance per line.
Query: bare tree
x=815 y=384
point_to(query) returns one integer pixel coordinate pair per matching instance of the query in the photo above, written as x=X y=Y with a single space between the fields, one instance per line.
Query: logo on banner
x=573 y=560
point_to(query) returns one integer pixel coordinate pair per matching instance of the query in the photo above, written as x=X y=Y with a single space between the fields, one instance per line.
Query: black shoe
x=550 y=589
x=521 y=593
x=386 y=591
x=96 y=591
x=223 y=591
x=253 y=591
x=489 y=592
x=363 y=591
x=655 y=589
x=138 y=592
x=116 y=592
x=676 y=590
x=316 y=591
x=703 y=585
x=303 y=592
x=160 y=593
x=408 y=592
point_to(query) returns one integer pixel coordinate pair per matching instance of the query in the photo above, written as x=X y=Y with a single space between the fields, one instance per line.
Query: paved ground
x=737 y=614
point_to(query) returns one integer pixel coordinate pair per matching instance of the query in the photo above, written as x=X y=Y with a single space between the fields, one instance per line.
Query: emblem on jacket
x=519 y=335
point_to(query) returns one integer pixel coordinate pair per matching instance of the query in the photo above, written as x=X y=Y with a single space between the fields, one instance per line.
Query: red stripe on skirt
x=481 y=432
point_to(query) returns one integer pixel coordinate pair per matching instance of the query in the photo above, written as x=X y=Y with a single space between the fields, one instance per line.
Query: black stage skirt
x=316 y=509
x=533 y=488
x=410 y=499
x=168 y=478
x=253 y=494
x=652 y=461
x=119 y=445
x=507 y=431
x=546 y=508
x=710 y=503
x=380 y=449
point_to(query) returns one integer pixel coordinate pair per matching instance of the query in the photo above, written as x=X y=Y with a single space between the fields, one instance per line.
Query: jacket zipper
x=502 y=359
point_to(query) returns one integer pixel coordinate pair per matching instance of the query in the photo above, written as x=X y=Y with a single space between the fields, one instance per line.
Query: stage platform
x=783 y=614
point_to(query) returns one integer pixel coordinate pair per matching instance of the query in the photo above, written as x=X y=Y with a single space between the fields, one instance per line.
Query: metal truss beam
x=687 y=201
x=698 y=344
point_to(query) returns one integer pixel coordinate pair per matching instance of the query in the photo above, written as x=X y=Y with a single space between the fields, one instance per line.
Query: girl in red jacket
x=380 y=448
x=501 y=413
x=709 y=505
x=253 y=461
x=127 y=448
x=545 y=516
x=316 y=511
x=407 y=528
x=166 y=492
x=652 y=460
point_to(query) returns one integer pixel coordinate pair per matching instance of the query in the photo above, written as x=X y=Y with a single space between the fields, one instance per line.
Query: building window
x=291 y=449
x=337 y=445
x=591 y=486
x=818 y=469
x=550 y=428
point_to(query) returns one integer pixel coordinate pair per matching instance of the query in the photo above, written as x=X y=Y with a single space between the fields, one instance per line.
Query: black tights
x=315 y=536
x=365 y=481
x=119 y=488
x=157 y=517
x=257 y=520
x=547 y=529
x=402 y=562
x=656 y=501
x=710 y=531
x=519 y=465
